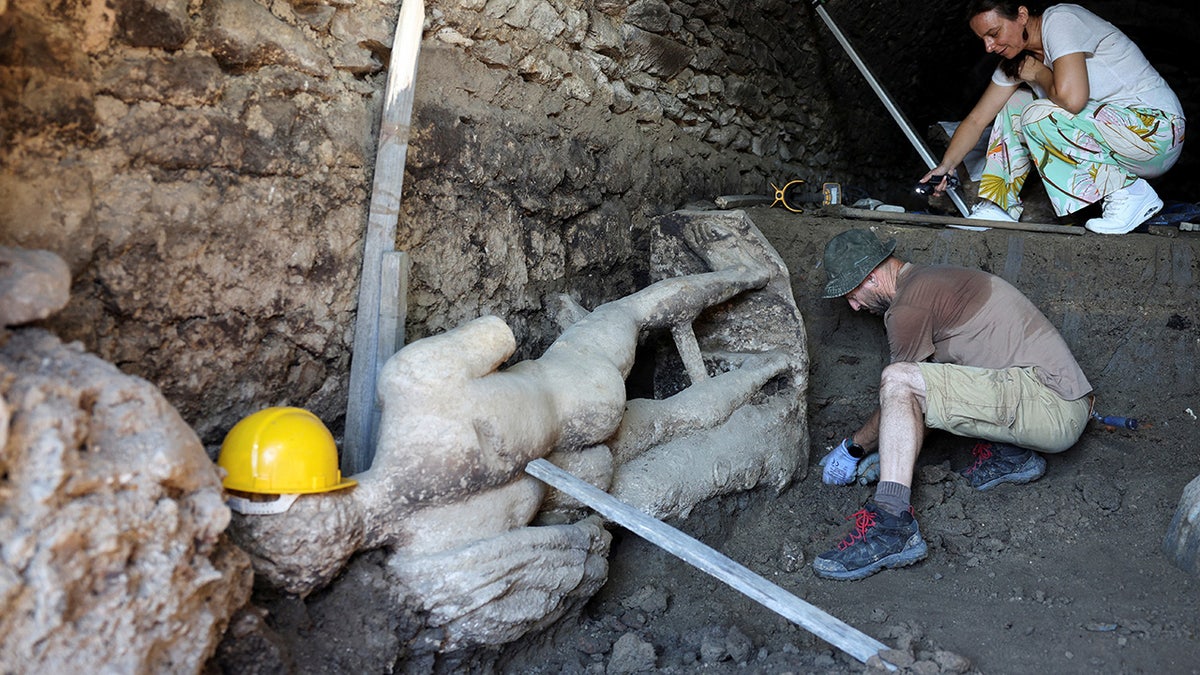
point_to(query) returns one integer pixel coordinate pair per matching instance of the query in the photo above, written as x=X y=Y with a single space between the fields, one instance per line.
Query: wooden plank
x=358 y=447
x=393 y=311
x=393 y=304
x=829 y=628
x=930 y=219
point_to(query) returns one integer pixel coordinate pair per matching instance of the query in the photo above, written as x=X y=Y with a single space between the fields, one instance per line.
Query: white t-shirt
x=1117 y=70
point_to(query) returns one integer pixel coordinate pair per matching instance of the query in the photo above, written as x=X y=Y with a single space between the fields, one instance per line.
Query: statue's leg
x=706 y=404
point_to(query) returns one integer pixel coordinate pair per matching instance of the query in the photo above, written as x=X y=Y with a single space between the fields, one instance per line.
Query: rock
x=950 y=662
x=631 y=654
x=649 y=599
x=898 y=657
x=712 y=647
x=925 y=668
x=184 y=80
x=592 y=644
x=243 y=35
x=361 y=37
x=791 y=557
x=654 y=54
x=603 y=35
x=1182 y=543
x=33 y=285
x=825 y=660
x=738 y=645
x=251 y=646
x=112 y=519
x=153 y=23
x=651 y=15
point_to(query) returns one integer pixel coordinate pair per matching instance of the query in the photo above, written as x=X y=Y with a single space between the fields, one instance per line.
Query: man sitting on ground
x=970 y=355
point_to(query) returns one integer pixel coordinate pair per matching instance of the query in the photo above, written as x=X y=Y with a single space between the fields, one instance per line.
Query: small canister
x=832 y=193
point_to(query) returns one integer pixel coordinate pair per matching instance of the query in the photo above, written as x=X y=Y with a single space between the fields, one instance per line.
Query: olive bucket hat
x=850 y=257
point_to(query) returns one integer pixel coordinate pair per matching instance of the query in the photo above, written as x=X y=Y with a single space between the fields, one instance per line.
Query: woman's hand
x=1034 y=71
x=938 y=175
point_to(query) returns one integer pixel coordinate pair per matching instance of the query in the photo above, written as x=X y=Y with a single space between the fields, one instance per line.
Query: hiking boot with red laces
x=997 y=463
x=878 y=540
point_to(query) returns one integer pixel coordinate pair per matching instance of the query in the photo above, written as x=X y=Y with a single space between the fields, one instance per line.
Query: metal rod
x=897 y=114
x=829 y=628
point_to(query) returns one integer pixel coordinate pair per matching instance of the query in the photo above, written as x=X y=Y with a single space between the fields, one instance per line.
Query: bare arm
x=868 y=435
x=967 y=134
x=1066 y=85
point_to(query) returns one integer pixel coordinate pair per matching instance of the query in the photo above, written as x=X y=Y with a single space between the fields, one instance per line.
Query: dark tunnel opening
x=934 y=69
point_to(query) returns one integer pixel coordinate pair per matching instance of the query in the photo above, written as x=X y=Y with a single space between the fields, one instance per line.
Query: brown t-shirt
x=949 y=314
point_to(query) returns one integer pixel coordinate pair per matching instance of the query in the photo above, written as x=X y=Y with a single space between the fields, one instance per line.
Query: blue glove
x=868 y=469
x=840 y=467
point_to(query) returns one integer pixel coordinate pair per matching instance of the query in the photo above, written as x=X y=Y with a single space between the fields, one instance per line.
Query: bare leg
x=886 y=532
x=901 y=421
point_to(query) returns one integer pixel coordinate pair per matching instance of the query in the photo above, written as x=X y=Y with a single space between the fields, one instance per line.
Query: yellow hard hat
x=280 y=451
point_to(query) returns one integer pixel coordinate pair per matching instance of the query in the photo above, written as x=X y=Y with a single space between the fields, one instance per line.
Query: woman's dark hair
x=1008 y=10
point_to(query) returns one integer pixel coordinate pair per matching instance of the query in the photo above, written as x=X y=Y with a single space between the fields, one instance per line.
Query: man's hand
x=868 y=469
x=840 y=467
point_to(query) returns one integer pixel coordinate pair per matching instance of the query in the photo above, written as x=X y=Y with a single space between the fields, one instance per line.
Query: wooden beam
x=358 y=447
x=829 y=628
x=393 y=305
x=393 y=312
x=930 y=219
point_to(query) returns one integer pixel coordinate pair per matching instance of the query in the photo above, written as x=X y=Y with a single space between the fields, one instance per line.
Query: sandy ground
x=1065 y=575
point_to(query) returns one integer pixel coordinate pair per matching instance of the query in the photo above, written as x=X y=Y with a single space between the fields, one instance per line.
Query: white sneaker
x=1126 y=208
x=986 y=210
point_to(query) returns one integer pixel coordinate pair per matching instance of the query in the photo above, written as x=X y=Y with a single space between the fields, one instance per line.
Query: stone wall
x=202 y=169
x=547 y=133
x=205 y=166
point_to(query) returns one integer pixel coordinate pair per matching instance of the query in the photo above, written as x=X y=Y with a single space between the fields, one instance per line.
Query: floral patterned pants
x=1081 y=157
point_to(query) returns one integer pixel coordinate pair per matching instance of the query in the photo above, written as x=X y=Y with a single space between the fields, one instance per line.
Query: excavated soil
x=1064 y=575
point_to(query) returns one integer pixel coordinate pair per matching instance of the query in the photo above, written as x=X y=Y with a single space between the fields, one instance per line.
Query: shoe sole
x=911 y=553
x=1152 y=207
x=1033 y=469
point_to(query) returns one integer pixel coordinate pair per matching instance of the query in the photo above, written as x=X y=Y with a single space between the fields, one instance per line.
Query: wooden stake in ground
x=375 y=299
x=829 y=628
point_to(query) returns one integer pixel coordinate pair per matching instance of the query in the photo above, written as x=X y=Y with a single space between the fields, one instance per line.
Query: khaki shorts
x=1007 y=406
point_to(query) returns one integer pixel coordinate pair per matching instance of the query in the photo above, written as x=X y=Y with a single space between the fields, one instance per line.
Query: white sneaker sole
x=1106 y=226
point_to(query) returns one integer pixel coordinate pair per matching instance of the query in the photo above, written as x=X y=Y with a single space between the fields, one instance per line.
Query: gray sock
x=893 y=497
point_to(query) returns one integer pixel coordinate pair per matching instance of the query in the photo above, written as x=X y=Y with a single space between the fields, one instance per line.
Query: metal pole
x=897 y=114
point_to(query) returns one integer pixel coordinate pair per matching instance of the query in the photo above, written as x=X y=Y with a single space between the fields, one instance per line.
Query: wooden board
x=829 y=628
x=358 y=446
x=930 y=219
